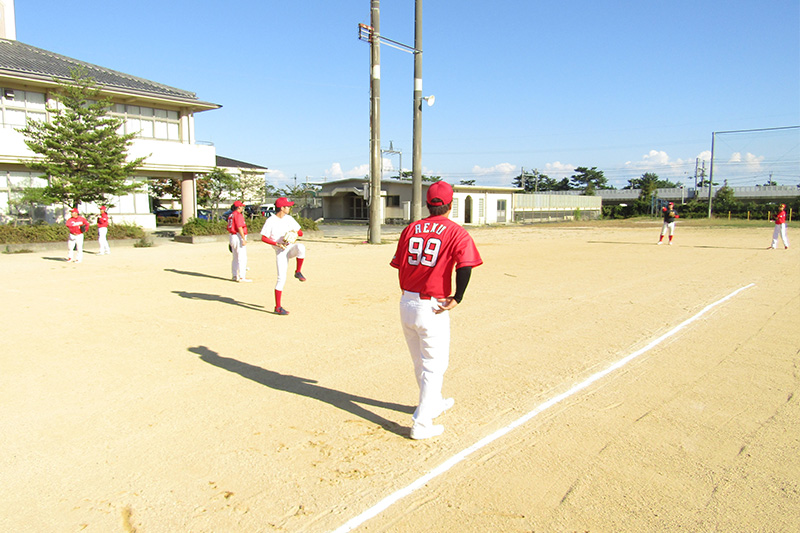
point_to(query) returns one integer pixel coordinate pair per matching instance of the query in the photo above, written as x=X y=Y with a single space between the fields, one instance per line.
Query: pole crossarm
x=367 y=34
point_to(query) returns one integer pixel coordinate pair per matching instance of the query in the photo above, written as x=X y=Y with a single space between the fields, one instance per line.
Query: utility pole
x=416 y=152
x=375 y=124
x=711 y=173
x=391 y=150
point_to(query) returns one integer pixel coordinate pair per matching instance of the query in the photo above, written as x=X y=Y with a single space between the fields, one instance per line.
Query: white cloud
x=558 y=170
x=335 y=172
x=751 y=162
x=502 y=169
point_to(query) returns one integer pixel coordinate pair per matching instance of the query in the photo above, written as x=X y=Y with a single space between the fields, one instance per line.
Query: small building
x=346 y=200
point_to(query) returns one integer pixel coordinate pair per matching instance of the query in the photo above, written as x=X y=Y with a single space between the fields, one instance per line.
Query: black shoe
x=299 y=276
x=281 y=311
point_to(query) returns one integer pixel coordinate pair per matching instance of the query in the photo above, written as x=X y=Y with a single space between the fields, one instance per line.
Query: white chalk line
x=447 y=465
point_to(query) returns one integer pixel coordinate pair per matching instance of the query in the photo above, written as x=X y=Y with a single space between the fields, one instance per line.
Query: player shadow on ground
x=218 y=298
x=308 y=388
x=196 y=274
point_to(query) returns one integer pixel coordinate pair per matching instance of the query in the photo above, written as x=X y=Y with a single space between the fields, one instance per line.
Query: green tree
x=588 y=180
x=84 y=158
x=408 y=175
x=725 y=200
x=218 y=183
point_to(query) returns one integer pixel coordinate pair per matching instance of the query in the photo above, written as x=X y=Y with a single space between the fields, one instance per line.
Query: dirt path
x=143 y=391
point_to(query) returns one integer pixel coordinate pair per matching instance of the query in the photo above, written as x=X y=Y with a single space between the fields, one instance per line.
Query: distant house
x=160 y=115
x=472 y=204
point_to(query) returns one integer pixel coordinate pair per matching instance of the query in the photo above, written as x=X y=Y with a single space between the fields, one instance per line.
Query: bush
x=198 y=226
x=58 y=232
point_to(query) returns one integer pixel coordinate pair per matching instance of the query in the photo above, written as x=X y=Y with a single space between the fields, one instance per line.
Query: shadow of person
x=196 y=274
x=218 y=298
x=308 y=388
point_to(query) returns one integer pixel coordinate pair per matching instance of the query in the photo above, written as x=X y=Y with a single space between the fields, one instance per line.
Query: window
x=17 y=106
x=149 y=122
x=454 y=214
x=393 y=201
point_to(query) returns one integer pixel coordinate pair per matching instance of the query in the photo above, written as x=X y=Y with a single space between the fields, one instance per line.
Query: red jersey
x=102 y=220
x=780 y=218
x=428 y=252
x=236 y=221
x=74 y=225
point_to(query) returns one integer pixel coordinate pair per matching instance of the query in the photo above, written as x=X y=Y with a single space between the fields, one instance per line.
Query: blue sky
x=625 y=86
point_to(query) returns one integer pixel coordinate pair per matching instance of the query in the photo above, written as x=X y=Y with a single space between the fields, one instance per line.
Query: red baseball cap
x=102 y=208
x=440 y=193
x=74 y=210
x=283 y=202
x=237 y=203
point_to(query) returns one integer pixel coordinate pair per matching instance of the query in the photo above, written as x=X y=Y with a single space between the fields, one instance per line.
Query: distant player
x=77 y=226
x=277 y=229
x=102 y=231
x=669 y=222
x=780 y=229
x=237 y=227
x=426 y=255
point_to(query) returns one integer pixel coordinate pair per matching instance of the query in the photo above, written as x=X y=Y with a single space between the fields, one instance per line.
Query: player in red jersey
x=77 y=226
x=102 y=231
x=237 y=227
x=428 y=251
x=780 y=229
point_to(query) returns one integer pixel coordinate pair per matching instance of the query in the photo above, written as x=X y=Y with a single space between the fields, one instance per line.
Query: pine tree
x=84 y=156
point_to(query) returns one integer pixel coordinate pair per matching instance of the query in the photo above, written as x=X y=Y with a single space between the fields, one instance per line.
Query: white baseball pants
x=75 y=242
x=282 y=257
x=239 y=260
x=428 y=338
x=780 y=230
x=102 y=239
x=668 y=226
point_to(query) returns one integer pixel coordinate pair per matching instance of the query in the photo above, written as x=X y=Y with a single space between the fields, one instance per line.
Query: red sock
x=299 y=264
x=278 y=297
x=670 y=238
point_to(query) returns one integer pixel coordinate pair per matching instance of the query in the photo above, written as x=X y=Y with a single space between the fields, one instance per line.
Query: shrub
x=198 y=226
x=58 y=232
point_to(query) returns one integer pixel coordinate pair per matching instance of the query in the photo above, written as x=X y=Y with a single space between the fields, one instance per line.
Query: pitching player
x=77 y=226
x=275 y=232
x=102 y=231
x=426 y=255
x=237 y=227
x=669 y=222
x=780 y=229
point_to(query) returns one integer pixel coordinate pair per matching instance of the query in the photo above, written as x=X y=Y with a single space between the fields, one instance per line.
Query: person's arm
x=463 y=275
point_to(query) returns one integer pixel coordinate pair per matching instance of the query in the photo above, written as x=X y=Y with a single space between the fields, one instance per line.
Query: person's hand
x=446 y=304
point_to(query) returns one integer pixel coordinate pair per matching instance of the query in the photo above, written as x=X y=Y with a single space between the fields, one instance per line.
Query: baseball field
x=601 y=383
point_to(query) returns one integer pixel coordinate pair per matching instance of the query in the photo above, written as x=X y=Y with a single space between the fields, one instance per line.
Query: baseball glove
x=290 y=237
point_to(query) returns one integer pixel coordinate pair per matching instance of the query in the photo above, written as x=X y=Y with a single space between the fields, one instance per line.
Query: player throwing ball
x=280 y=230
x=428 y=251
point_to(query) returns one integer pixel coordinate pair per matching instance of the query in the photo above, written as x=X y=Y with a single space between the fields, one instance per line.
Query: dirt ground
x=144 y=391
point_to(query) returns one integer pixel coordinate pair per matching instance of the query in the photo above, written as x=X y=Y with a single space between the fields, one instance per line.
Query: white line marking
x=447 y=465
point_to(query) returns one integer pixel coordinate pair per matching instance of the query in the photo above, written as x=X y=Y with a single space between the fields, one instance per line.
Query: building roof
x=233 y=163
x=26 y=62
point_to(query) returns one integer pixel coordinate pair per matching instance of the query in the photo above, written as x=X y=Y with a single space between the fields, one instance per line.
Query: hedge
x=38 y=233
x=198 y=226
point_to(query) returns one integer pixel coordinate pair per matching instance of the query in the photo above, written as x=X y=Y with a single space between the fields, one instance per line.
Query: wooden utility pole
x=375 y=125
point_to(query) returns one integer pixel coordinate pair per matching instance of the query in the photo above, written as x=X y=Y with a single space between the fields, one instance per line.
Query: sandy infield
x=144 y=391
